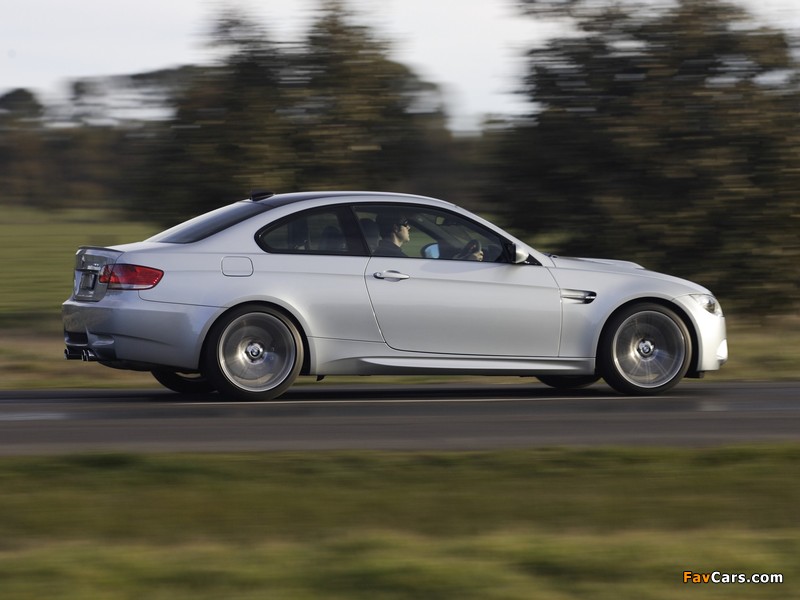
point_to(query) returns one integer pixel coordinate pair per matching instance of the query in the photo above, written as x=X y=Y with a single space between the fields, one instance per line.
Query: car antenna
x=256 y=195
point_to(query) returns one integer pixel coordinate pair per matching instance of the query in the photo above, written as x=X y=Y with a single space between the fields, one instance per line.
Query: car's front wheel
x=645 y=349
x=253 y=353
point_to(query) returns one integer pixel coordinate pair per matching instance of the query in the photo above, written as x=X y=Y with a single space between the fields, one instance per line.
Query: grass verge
x=551 y=524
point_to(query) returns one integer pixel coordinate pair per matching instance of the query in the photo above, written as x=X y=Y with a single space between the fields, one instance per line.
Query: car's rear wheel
x=183 y=383
x=254 y=353
x=645 y=349
x=568 y=382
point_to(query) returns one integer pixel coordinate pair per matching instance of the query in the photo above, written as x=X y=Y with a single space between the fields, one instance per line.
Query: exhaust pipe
x=72 y=354
x=85 y=355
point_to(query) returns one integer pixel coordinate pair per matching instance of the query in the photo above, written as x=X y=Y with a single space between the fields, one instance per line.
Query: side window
x=421 y=232
x=321 y=231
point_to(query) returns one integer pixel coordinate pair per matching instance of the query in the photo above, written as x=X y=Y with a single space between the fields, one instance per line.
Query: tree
x=20 y=104
x=225 y=134
x=21 y=146
x=671 y=136
x=357 y=128
x=334 y=112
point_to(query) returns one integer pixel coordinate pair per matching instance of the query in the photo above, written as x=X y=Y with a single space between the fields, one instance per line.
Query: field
x=38 y=250
x=549 y=524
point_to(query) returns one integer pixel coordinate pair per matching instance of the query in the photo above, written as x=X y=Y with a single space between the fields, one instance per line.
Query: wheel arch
x=676 y=308
x=305 y=369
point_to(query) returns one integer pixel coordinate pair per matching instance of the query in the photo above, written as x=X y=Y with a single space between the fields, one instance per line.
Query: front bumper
x=712 y=337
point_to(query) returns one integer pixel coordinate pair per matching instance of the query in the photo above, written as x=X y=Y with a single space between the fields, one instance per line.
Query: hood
x=607 y=265
x=572 y=268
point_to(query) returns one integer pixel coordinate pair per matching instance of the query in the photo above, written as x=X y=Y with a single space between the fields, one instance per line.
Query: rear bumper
x=125 y=331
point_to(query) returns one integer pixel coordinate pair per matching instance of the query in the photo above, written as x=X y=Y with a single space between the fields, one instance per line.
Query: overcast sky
x=471 y=48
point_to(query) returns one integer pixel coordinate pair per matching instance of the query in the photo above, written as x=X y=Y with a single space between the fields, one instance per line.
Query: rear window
x=327 y=230
x=208 y=224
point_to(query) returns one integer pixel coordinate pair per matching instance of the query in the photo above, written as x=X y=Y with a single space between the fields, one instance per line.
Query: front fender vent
x=579 y=296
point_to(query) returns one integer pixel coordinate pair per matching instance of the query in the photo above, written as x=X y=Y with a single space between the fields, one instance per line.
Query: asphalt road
x=431 y=417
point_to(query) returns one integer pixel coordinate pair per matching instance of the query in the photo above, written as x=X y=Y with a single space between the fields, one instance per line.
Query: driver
x=395 y=230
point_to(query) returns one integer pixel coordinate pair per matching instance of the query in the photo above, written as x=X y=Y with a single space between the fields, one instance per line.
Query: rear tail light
x=130 y=277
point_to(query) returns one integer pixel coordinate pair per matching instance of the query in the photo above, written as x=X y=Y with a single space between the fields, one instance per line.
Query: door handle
x=390 y=274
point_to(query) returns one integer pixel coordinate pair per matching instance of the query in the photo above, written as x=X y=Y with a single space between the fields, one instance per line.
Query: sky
x=471 y=48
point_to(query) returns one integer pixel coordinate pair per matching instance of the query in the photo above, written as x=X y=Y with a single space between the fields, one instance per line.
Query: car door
x=314 y=262
x=456 y=305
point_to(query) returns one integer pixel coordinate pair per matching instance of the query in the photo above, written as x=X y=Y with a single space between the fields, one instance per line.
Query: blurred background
x=662 y=132
x=667 y=133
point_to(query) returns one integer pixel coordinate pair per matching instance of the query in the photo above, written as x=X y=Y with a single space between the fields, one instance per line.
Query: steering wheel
x=470 y=251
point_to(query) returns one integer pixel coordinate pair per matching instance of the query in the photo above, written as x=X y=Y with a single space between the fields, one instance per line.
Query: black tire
x=645 y=349
x=253 y=353
x=183 y=383
x=568 y=382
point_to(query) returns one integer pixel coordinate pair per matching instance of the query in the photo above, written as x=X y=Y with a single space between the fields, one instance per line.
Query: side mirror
x=430 y=250
x=516 y=255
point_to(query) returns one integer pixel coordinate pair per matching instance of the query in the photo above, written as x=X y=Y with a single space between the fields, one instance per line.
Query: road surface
x=415 y=417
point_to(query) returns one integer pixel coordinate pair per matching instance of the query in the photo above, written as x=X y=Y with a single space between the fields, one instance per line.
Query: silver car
x=247 y=297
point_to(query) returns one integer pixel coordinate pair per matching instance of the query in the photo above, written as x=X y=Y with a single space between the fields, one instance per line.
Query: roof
x=276 y=200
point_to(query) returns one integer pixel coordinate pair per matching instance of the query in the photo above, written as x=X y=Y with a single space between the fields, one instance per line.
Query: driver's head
x=392 y=222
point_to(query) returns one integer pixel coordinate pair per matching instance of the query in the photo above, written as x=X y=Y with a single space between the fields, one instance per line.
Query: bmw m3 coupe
x=246 y=298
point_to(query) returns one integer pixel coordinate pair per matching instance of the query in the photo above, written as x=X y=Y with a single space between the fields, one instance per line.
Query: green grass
x=38 y=250
x=551 y=524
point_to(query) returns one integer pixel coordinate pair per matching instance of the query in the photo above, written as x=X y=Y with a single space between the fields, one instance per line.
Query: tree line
x=663 y=134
